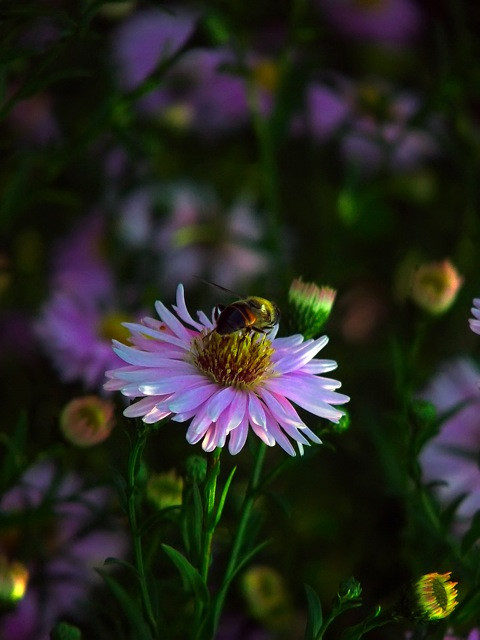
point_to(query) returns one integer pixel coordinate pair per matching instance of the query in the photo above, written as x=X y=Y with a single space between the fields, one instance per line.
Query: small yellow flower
x=436 y=595
x=13 y=580
x=165 y=489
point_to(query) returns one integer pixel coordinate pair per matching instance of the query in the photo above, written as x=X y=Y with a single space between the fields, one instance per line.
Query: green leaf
x=315 y=615
x=123 y=563
x=192 y=580
x=139 y=628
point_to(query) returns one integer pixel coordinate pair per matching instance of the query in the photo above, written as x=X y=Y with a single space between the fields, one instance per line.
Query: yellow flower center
x=235 y=360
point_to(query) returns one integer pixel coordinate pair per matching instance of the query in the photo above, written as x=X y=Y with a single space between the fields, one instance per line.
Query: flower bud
x=350 y=589
x=435 y=285
x=196 y=469
x=431 y=597
x=165 y=489
x=309 y=307
x=87 y=421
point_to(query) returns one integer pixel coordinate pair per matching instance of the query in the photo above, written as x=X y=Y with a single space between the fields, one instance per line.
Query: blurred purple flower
x=374 y=123
x=203 y=89
x=184 y=228
x=70 y=533
x=79 y=262
x=78 y=321
x=474 y=634
x=389 y=22
x=475 y=321
x=148 y=38
x=451 y=457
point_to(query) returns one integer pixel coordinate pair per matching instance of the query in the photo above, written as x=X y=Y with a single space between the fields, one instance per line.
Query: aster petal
x=302 y=396
x=236 y=410
x=219 y=402
x=154 y=415
x=256 y=411
x=265 y=436
x=171 y=384
x=285 y=419
x=182 y=311
x=137 y=357
x=140 y=408
x=319 y=366
x=205 y=321
x=278 y=436
x=300 y=356
x=183 y=417
x=287 y=342
x=136 y=374
x=238 y=437
x=193 y=437
x=280 y=413
x=187 y=400
x=172 y=322
x=210 y=440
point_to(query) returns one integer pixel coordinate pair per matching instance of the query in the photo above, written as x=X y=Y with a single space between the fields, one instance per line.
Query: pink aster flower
x=451 y=457
x=475 y=322
x=224 y=385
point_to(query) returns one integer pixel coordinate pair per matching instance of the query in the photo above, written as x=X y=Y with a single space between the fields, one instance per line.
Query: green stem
x=209 y=520
x=133 y=464
x=238 y=542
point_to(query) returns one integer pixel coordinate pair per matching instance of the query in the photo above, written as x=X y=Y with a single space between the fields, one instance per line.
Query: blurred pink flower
x=451 y=457
x=71 y=531
x=389 y=22
x=225 y=384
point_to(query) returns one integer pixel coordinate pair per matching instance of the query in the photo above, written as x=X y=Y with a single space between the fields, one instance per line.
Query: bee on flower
x=224 y=384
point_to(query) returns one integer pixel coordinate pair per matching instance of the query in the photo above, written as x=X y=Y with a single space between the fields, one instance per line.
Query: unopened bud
x=87 y=421
x=309 y=307
x=435 y=286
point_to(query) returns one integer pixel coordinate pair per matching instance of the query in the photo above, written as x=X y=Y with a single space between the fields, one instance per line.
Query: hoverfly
x=247 y=314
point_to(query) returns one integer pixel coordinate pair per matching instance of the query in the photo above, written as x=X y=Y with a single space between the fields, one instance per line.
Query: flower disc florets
x=224 y=385
x=234 y=360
